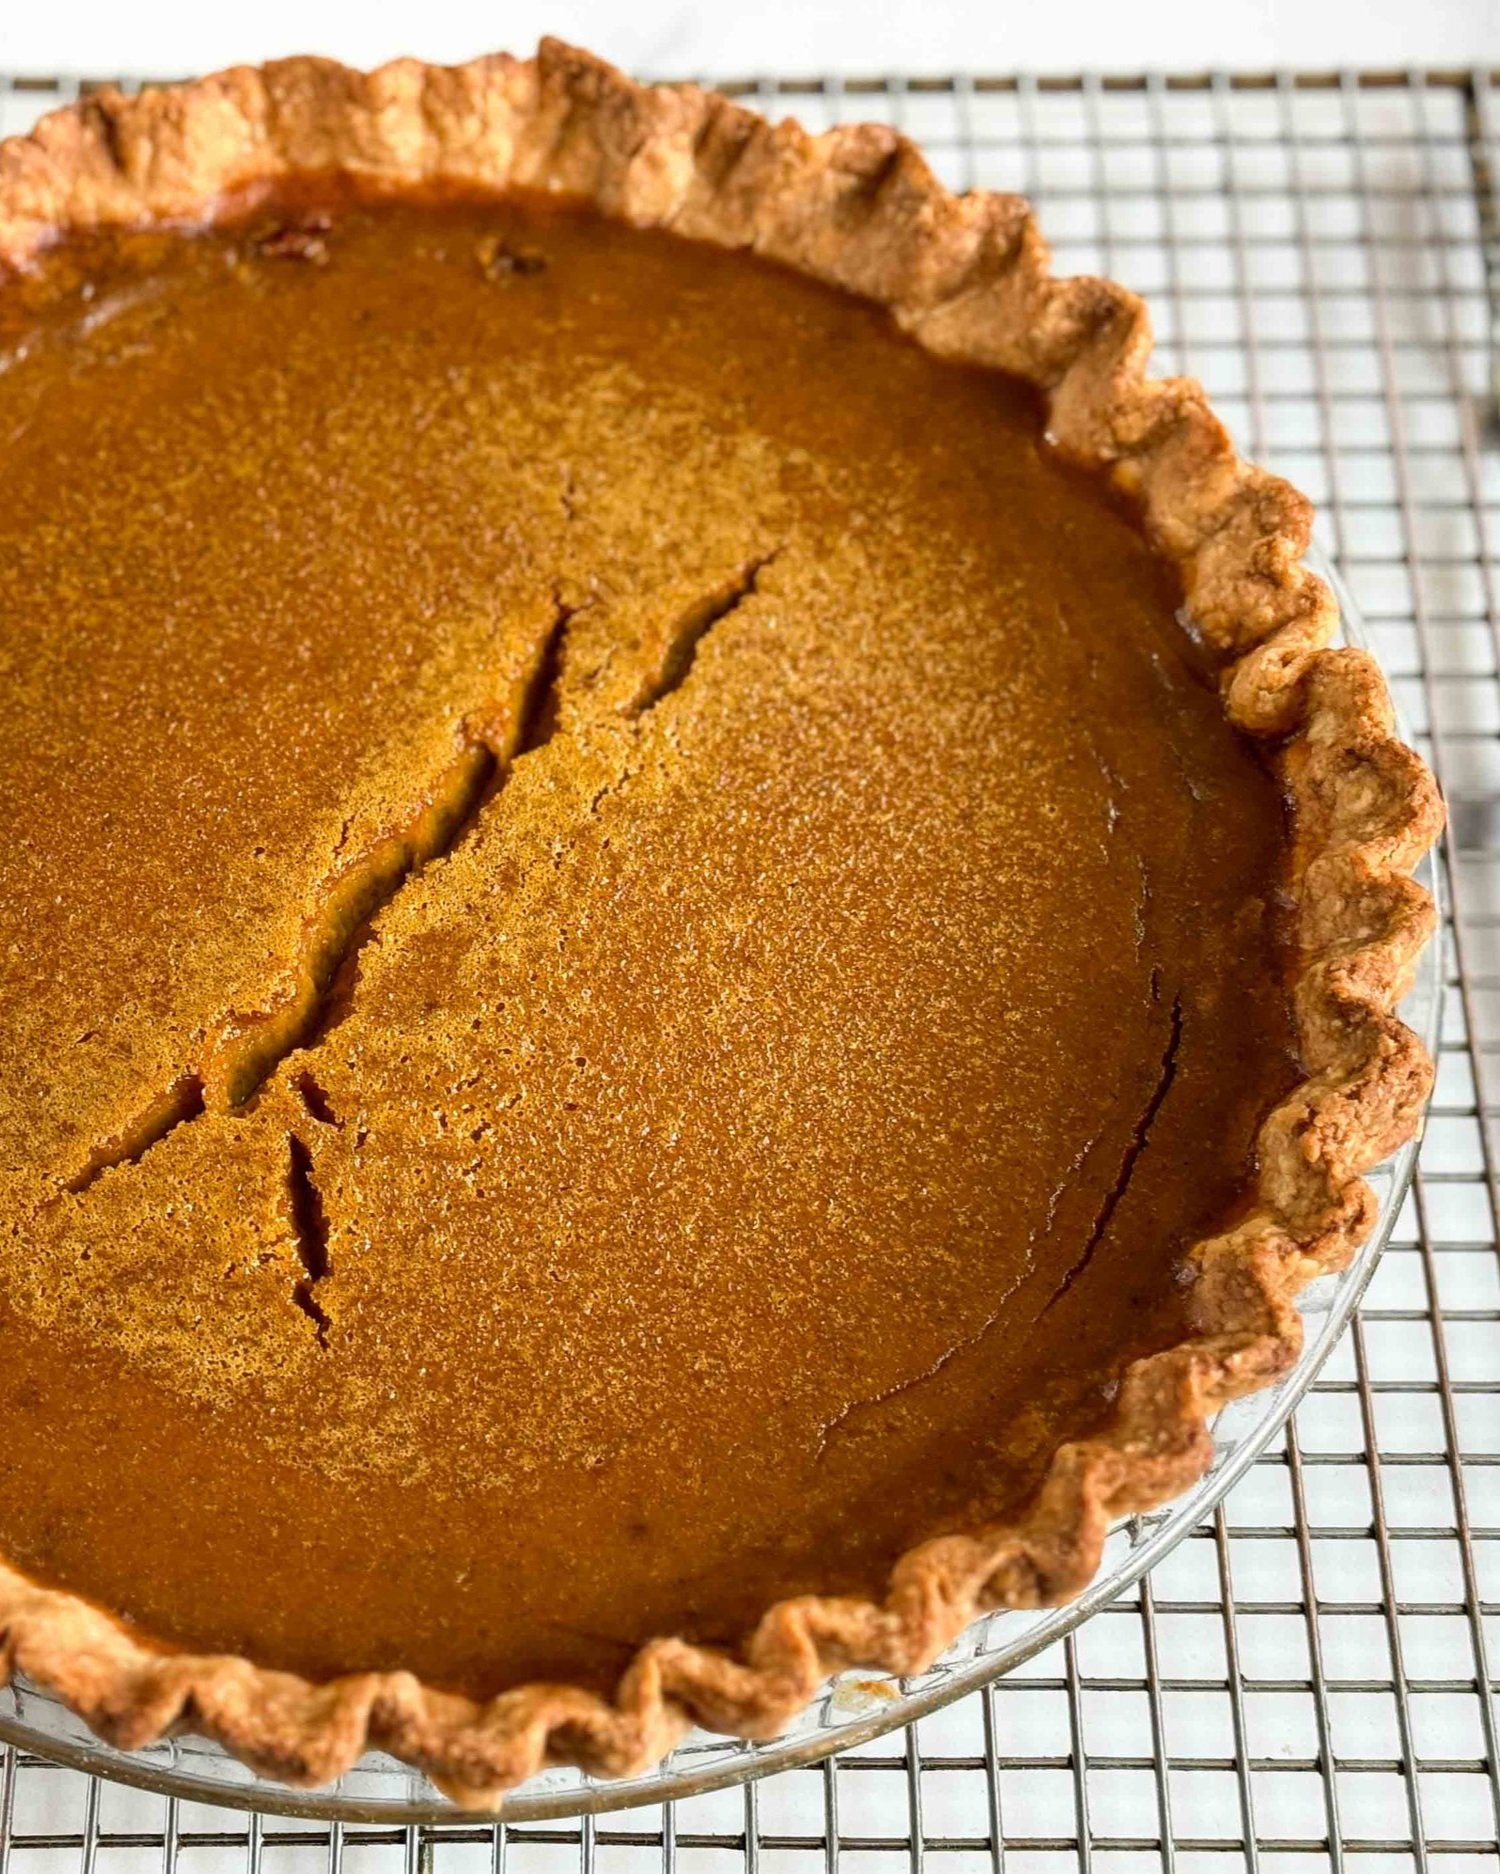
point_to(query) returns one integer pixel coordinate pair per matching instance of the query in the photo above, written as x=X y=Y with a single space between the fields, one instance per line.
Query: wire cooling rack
x=1309 y=1678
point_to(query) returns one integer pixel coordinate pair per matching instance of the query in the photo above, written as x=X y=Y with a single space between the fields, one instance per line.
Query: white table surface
x=1317 y=285
x=724 y=38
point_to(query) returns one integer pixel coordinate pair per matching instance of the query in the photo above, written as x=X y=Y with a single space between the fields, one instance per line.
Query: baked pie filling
x=820 y=972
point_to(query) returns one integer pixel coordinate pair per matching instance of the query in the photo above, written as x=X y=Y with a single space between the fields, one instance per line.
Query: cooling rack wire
x=1308 y=1680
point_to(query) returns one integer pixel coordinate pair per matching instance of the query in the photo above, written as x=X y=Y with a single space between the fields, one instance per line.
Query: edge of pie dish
x=967 y=277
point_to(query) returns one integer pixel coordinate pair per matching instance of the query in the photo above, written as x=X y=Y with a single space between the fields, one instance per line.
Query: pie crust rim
x=967 y=277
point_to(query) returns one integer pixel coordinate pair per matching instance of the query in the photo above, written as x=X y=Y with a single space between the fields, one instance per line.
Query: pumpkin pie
x=697 y=936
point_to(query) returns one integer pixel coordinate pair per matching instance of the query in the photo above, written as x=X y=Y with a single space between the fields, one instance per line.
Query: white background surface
x=740 y=37
x=1277 y=295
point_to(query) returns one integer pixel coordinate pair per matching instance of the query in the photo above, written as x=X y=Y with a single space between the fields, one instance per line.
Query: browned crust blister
x=967 y=276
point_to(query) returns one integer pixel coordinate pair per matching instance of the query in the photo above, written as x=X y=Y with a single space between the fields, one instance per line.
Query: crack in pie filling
x=650 y=987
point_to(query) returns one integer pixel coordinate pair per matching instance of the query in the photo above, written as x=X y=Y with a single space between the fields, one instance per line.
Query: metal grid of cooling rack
x=1309 y=1678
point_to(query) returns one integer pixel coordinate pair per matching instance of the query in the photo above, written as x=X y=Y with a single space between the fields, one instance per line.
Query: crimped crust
x=968 y=278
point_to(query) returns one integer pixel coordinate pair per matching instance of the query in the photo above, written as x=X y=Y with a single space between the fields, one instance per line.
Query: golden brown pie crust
x=967 y=277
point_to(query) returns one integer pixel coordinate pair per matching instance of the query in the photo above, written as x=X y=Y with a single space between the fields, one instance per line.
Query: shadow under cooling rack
x=1308 y=1679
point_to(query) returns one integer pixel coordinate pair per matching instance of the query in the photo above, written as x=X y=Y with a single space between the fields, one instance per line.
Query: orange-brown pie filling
x=634 y=939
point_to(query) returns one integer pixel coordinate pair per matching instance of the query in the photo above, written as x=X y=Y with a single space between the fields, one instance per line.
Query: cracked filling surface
x=633 y=939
